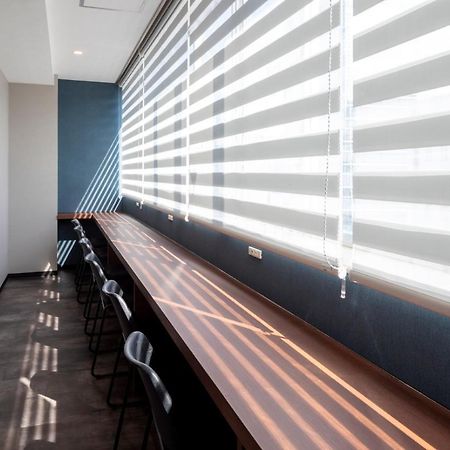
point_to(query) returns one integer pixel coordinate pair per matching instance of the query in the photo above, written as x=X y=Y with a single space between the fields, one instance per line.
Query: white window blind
x=154 y=118
x=402 y=144
x=131 y=166
x=226 y=121
x=258 y=119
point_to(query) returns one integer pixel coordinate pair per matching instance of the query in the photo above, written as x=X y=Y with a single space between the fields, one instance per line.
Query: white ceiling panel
x=114 y=5
x=38 y=38
x=25 y=55
x=105 y=37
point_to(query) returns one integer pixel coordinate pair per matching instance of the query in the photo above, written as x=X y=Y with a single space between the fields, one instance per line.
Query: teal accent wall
x=88 y=145
x=89 y=120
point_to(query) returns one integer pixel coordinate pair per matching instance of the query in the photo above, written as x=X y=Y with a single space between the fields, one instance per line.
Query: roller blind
x=131 y=164
x=225 y=121
x=258 y=119
x=255 y=77
x=154 y=118
x=402 y=144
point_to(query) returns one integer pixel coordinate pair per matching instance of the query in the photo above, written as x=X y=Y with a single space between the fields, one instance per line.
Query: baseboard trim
x=67 y=267
x=4 y=282
x=31 y=274
x=27 y=275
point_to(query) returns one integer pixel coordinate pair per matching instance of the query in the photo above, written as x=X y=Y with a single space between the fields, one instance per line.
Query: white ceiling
x=24 y=42
x=118 y=5
x=38 y=38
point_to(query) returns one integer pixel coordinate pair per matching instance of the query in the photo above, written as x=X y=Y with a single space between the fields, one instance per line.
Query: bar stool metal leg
x=88 y=299
x=80 y=277
x=114 y=374
x=122 y=411
x=78 y=271
x=99 y=338
x=94 y=318
x=147 y=431
x=87 y=314
x=96 y=350
x=81 y=283
x=131 y=374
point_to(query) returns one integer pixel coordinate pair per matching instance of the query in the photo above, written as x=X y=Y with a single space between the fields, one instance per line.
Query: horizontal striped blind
x=131 y=166
x=258 y=119
x=226 y=121
x=402 y=144
x=154 y=118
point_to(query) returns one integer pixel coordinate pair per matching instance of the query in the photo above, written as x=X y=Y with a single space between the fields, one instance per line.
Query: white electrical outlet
x=170 y=217
x=255 y=252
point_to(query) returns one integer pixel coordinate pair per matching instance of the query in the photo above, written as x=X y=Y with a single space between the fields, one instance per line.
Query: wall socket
x=170 y=217
x=255 y=252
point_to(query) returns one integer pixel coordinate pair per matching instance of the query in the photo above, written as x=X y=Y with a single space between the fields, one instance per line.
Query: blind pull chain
x=345 y=233
x=142 y=129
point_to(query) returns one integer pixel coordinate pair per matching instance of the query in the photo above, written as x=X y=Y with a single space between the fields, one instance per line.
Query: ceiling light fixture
x=132 y=6
x=77 y=52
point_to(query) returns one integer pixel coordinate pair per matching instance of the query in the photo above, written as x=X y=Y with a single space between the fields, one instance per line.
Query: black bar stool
x=127 y=325
x=118 y=274
x=80 y=270
x=138 y=351
x=100 y=249
x=104 y=305
x=94 y=292
x=86 y=248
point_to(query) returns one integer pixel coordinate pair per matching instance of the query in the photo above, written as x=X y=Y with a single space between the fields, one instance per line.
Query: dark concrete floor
x=48 y=398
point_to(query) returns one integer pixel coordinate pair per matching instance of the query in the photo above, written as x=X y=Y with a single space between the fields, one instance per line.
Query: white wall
x=32 y=177
x=4 y=142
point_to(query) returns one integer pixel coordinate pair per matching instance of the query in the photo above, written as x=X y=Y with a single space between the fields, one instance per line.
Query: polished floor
x=48 y=398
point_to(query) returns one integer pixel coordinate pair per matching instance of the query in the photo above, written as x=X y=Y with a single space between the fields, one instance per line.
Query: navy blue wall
x=88 y=154
x=88 y=127
x=409 y=342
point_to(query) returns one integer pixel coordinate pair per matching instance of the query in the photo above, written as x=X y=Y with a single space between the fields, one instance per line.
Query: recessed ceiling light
x=77 y=52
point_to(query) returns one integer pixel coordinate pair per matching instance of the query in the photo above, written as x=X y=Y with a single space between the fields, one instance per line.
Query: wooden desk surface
x=279 y=382
x=74 y=215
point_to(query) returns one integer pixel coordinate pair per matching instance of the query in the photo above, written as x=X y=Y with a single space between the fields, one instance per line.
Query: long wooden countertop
x=74 y=215
x=279 y=382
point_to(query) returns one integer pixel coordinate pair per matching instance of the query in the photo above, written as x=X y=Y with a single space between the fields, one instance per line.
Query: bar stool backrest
x=86 y=246
x=98 y=274
x=80 y=232
x=138 y=351
x=126 y=320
